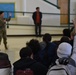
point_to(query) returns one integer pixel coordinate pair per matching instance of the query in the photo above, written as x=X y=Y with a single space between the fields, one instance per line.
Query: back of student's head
x=25 y=52
x=66 y=32
x=64 y=50
x=64 y=39
x=47 y=37
x=34 y=45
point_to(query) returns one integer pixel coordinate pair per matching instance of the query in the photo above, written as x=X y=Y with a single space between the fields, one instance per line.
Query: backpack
x=27 y=71
x=58 y=70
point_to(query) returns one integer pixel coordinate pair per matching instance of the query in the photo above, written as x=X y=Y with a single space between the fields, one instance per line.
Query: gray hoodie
x=71 y=67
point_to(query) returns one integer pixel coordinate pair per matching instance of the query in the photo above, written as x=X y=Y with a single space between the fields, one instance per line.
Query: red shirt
x=38 y=18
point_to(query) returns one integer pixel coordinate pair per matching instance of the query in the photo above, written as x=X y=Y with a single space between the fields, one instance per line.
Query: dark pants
x=38 y=29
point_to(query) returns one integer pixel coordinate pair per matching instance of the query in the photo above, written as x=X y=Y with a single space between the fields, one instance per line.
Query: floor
x=16 y=43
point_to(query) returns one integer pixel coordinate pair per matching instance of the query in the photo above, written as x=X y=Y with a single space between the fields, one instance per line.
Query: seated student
x=66 y=32
x=26 y=61
x=65 y=39
x=48 y=50
x=64 y=52
x=69 y=34
x=65 y=58
x=35 y=46
x=5 y=65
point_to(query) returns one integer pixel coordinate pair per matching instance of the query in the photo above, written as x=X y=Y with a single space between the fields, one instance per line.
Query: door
x=63 y=10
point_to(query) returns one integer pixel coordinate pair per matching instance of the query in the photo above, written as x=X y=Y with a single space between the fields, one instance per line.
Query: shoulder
x=17 y=62
x=42 y=45
x=34 y=12
x=72 y=62
x=38 y=65
x=59 y=69
x=40 y=12
x=4 y=56
x=52 y=45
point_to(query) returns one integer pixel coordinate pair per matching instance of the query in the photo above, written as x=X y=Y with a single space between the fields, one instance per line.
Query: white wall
x=30 y=7
x=31 y=4
x=72 y=9
x=53 y=1
x=45 y=8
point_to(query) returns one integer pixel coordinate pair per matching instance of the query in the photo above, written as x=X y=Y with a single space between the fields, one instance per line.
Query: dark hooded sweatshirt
x=24 y=63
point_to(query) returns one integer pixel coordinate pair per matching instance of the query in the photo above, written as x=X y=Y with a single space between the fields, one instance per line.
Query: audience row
x=38 y=57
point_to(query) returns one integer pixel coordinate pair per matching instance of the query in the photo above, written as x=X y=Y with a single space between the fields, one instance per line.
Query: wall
x=30 y=7
x=53 y=1
x=18 y=7
x=17 y=3
x=31 y=4
x=45 y=8
x=72 y=9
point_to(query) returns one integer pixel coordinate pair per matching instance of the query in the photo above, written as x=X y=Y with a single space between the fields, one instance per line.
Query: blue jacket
x=48 y=55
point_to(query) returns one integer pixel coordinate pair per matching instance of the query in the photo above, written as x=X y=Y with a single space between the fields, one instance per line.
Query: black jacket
x=34 y=17
x=24 y=63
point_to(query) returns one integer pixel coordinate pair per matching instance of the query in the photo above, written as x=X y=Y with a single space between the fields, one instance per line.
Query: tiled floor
x=16 y=43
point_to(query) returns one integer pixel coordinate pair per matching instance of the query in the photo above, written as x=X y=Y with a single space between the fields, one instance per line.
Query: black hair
x=37 y=7
x=25 y=52
x=66 y=32
x=47 y=37
x=1 y=12
x=34 y=45
x=65 y=39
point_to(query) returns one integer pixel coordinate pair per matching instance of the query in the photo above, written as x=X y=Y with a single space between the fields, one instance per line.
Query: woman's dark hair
x=34 y=45
x=25 y=52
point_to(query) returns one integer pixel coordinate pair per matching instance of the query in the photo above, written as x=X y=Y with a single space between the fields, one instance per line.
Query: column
x=24 y=6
